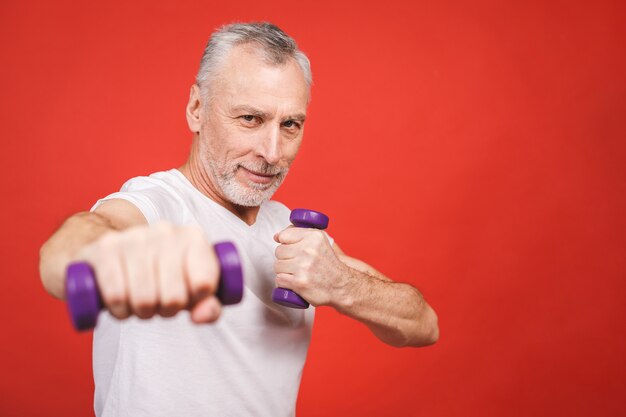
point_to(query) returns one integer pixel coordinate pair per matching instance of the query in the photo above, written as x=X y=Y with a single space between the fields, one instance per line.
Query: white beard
x=250 y=194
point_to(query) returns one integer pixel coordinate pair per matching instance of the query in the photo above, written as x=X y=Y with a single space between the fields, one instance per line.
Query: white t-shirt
x=248 y=363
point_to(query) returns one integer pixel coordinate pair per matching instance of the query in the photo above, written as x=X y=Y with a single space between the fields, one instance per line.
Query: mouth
x=258 y=177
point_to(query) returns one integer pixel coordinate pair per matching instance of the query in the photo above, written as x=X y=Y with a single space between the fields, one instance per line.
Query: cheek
x=240 y=145
x=291 y=150
x=227 y=141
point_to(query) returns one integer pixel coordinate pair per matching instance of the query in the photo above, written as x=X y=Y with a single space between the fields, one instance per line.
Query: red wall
x=474 y=149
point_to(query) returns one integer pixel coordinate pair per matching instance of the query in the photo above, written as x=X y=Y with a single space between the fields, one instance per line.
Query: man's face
x=252 y=126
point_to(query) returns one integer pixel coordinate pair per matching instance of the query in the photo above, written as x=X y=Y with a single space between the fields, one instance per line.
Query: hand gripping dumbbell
x=84 y=301
x=308 y=219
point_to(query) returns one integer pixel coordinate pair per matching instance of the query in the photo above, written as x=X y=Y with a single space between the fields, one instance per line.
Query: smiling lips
x=258 y=177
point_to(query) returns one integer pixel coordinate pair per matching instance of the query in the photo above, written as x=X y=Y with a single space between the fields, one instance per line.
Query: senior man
x=148 y=245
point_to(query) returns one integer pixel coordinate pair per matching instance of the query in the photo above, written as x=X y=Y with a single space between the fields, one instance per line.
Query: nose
x=270 y=147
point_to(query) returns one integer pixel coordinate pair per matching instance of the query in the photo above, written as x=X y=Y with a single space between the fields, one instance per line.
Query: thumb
x=277 y=235
x=207 y=310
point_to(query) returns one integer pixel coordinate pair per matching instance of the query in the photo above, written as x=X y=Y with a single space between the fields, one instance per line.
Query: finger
x=276 y=234
x=292 y=235
x=284 y=280
x=200 y=265
x=206 y=310
x=110 y=277
x=286 y=266
x=139 y=264
x=286 y=251
x=173 y=295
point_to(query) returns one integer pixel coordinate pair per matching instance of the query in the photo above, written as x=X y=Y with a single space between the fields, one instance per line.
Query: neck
x=200 y=178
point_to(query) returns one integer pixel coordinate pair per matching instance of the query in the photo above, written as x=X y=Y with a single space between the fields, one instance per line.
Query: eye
x=291 y=125
x=250 y=120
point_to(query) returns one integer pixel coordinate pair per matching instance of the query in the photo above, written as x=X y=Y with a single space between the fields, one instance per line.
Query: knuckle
x=306 y=265
x=298 y=285
x=143 y=306
x=282 y=280
x=174 y=302
x=144 y=312
x=203 y=286
x=166 y=312
x=120 y=313
x=304 y=282
x=113 y=297
x=318 y=236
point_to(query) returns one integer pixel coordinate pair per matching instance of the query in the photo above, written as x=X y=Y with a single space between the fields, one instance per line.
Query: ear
x=194 y=109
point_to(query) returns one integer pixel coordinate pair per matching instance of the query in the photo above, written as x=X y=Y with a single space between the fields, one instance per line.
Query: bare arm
x=140 y=270
x=78 y=231
x=395 y=312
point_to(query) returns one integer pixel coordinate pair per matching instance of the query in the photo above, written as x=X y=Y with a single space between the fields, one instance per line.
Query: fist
x=307 y=264
x=160 y=269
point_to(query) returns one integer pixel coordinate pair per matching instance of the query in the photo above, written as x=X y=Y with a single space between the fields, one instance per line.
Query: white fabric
x=248 y=363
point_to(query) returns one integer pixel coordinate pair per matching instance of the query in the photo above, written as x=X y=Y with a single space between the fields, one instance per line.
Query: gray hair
x=275 y=46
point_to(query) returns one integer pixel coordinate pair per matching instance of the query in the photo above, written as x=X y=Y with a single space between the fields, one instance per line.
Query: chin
x=243 y=192
x=248 y=196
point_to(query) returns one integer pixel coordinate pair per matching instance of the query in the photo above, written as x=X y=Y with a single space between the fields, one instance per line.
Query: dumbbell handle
x=309 y=219
x=84 y=301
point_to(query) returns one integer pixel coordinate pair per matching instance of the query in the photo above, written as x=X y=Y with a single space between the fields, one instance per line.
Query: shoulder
x=154 y=195
x=276 y=208
x=277 y=213
x=161 y=180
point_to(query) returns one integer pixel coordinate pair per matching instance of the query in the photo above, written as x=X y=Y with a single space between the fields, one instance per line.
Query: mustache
x=263 y=167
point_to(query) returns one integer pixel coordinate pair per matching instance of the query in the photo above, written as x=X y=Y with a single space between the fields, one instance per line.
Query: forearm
x=395 y=312
x=76 y=232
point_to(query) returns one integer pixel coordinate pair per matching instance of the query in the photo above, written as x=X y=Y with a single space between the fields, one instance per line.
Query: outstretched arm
x=140 y=270
x=77 y=232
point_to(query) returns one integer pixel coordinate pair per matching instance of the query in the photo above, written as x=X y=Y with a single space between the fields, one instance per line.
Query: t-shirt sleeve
x=149 y=196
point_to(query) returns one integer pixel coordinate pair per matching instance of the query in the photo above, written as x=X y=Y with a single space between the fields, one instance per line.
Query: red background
x=475 y=149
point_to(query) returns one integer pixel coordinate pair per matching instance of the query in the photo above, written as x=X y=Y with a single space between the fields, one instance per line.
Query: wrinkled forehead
x=246 y=75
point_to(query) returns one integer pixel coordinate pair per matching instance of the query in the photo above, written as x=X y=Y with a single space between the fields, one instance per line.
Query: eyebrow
x=247 y=109
x=297 y=117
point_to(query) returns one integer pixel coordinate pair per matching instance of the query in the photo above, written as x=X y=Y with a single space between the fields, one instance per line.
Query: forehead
x=246 y=78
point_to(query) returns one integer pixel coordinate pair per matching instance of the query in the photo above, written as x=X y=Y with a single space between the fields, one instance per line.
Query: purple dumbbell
x=84 y=301
x=308 y=219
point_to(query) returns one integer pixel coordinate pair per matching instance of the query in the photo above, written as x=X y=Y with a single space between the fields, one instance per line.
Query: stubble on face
x=229 y=154
x=224 y=172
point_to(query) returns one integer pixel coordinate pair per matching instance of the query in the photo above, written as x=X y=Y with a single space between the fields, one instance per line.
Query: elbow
x=46 y=273
x=427 y=332
x=433 y=330
x=419 y=332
